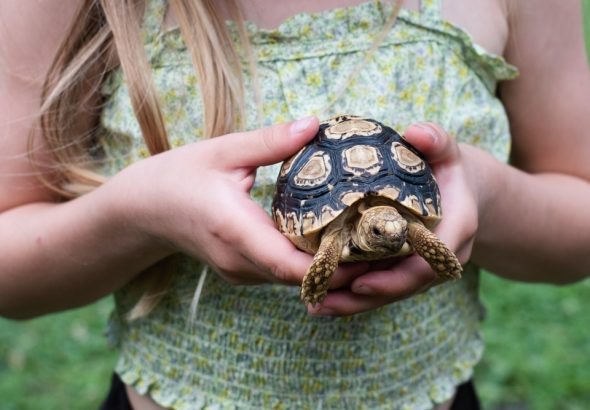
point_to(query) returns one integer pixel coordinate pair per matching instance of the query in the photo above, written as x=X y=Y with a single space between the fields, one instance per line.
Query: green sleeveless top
x=255 y=347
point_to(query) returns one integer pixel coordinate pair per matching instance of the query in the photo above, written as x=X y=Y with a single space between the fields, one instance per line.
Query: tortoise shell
x=351 y=159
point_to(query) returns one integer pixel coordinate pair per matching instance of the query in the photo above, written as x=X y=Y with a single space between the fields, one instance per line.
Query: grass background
x=537 y=357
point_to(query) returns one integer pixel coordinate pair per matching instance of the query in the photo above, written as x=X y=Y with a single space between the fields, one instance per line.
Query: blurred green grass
x=586 y=11
x=537 y=346
x=59 y=361
x=537 y=356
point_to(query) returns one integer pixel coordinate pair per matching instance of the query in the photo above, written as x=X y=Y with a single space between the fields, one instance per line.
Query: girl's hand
x=196 y=200
x=389 y=281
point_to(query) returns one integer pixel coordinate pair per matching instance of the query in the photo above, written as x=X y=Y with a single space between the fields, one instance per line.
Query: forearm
x=534 y=227
x=58 y=256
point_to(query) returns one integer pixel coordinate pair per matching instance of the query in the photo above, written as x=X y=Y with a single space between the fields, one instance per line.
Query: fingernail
x=301 y=125
x=363 y=290
x=320 y=310
x=429 y=130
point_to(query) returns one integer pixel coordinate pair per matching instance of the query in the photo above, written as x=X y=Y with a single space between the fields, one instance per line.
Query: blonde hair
x=106 y=34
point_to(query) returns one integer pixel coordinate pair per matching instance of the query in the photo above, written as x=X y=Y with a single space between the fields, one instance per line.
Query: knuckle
x=280 y=274
x=436 y=128
x=445 y=143
x=464 y=254
x=223 y=231
x=230 y=270
x=224 y=266
x=346 y=312
x=268 y=138
x=442 y=137
x=472 y=228
x=213 y=148
x=425 y=276
x=232 y=279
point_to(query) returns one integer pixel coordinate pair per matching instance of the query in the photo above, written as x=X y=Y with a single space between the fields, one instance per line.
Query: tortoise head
x=380 y=229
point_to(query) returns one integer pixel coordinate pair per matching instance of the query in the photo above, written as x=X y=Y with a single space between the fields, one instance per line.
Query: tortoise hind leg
x=315 y=283
x=440 y=258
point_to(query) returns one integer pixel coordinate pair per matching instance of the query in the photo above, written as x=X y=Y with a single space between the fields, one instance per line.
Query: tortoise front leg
x=315 y=283
x=440 y=258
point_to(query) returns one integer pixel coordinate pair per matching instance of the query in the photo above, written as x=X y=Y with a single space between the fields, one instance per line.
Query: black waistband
x=465 y=399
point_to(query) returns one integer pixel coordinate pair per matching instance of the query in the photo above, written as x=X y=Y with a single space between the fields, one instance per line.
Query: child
x=87 y=211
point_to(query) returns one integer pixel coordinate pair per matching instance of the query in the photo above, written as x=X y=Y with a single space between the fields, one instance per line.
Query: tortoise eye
x=376 y=231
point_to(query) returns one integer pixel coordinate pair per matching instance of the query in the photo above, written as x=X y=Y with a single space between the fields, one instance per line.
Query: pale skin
x=526 y=221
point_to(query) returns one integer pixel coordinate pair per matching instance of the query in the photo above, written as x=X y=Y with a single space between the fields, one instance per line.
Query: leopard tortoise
x=359 y=191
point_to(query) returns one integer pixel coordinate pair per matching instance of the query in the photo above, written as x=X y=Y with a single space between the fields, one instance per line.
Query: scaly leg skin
x=315 y=283
x=440 y=258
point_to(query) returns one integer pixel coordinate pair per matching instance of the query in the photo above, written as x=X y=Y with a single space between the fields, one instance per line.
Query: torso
x=491 y=33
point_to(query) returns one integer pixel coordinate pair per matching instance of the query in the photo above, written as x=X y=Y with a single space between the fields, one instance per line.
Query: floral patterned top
x=256 y=347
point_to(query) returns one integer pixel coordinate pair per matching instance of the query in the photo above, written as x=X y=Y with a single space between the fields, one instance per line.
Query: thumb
x=433 y=142
x=271 y=144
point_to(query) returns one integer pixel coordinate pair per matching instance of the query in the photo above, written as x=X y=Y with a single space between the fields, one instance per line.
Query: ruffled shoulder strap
x=153 y=18
x=489 y=66
x=430 y=10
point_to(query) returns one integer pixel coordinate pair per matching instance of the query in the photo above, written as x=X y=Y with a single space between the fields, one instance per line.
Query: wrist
x=488 y=180
x=129 y=211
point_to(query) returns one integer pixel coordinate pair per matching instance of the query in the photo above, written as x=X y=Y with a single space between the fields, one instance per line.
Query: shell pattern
x=350 y=158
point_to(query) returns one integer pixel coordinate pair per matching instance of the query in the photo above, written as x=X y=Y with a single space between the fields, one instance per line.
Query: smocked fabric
x=255 y=347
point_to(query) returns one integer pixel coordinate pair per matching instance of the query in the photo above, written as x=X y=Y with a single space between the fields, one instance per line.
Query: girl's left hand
x=388 y=282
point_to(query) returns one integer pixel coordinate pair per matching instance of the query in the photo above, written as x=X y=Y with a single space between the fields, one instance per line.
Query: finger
x=279 y=258
x=413 y=274
x=459 y=240
x=402 y=280
x=267 y=248
x=346 y=303
x=432 y=141
x=346 y=273
x=385 y=264
x=267 y=145
x=459 y=226
x=286 y=263
x=240 y=271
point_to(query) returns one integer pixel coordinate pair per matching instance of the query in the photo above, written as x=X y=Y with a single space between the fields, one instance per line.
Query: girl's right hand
x=195 y=199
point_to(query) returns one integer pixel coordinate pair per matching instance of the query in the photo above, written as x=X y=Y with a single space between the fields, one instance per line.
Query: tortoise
x=359 y=191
